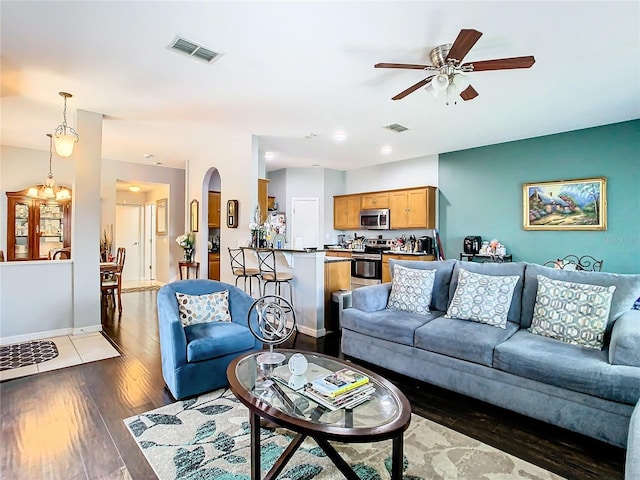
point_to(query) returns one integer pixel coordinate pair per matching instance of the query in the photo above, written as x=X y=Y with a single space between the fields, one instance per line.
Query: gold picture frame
x=194 y=215
x=161 y=216
x=579 y=204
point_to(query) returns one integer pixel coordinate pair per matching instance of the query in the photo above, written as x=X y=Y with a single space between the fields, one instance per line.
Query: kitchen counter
x=414 y=254
x=336 y=259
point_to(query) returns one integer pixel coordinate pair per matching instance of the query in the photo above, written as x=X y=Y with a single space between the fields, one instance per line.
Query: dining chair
x=1 y=255
x=244 y=264
x=274 y=268
x=60 y=254
x=111 y=282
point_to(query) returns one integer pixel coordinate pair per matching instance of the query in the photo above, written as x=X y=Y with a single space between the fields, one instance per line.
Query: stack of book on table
x=345 y=388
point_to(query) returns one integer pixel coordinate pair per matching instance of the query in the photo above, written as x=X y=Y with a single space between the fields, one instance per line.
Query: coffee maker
x=472 y=244
x=425 y=244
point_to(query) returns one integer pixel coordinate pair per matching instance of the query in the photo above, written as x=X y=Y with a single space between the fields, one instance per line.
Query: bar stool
x=241 y=269
x=275 y=269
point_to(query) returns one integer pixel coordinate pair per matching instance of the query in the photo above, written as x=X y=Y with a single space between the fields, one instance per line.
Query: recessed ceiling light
x=311 y=135
x=269 y=156
x=148 y=155
x=134 y=188
x=157 y=163
x=339 y=136
x=386 y=150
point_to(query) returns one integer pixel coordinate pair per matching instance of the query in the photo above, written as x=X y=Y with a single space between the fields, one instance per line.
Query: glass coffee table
x=269 y=392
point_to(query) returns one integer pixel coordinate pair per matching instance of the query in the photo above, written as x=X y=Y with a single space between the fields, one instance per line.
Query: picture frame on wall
x=579 y=204
x=193 y=217
x=161 y=216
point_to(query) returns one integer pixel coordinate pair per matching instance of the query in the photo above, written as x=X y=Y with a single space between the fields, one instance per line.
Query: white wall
x=416 y=172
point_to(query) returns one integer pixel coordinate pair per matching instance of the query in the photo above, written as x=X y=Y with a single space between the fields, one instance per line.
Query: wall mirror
x=193 y=217
x=161 y=216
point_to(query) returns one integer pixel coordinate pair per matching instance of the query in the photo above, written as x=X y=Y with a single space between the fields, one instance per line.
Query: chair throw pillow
x=482 y=298
x=210 y=307
x=574 y=313
x=411 y=290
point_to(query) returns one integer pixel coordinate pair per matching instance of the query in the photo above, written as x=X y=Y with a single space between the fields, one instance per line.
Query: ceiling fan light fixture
x=440 y=82
x=429 y=88
x=461 y=82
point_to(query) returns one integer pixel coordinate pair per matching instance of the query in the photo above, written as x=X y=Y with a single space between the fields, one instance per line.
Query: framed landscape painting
x=565 y=205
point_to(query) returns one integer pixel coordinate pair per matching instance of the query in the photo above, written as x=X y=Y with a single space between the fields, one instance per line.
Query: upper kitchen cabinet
x=214 y=210
x=36 y=226
x=413 y=208
x=346 y=212
x=263 y=198
x=375 y=200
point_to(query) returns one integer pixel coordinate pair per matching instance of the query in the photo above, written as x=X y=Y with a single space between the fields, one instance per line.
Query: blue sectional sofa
x=587 y=390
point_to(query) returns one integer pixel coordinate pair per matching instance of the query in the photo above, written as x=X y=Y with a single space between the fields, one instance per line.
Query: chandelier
x=49 y=190
x=65 y=136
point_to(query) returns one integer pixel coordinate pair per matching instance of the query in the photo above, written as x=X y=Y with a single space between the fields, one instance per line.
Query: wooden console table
x=187 y=267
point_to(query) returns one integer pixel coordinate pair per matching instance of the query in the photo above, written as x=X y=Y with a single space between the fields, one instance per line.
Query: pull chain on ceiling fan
x=451 y=78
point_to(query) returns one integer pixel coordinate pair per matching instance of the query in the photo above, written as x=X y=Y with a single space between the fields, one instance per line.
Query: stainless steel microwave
x=374 y=219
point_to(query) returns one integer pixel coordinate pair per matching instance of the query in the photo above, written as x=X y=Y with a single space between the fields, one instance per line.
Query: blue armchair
x=195 y=357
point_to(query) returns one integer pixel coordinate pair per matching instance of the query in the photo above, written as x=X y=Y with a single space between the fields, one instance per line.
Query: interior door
x=149 y=272
x=128 y=235
x=305 y=221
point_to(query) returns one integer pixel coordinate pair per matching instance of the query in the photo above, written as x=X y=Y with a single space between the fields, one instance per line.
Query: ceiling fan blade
x=469 y=93
x=502 y=63
x=402 y=65
x=412 y=88
x=465 y=41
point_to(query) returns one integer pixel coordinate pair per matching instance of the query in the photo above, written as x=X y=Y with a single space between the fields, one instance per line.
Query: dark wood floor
x=67 y=424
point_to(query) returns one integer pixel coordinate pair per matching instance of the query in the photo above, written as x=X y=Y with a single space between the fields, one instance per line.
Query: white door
x=128 y=235
x=304 y=221
x=149 y=272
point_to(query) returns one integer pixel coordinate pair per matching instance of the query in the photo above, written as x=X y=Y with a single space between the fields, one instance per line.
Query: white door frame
x=149 y=238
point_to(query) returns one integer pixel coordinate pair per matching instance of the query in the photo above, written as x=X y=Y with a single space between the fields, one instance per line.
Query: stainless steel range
x=366 y=268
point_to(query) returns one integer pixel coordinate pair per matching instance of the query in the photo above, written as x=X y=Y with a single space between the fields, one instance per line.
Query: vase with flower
x=187 y=241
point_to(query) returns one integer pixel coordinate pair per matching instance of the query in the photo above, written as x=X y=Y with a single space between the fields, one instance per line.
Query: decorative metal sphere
x=272 y=316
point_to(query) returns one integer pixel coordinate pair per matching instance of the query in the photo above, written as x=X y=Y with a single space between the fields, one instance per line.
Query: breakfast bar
x=315 y=278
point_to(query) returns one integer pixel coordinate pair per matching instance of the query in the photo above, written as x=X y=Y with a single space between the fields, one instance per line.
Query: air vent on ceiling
x=396 y=127
x=187 y=47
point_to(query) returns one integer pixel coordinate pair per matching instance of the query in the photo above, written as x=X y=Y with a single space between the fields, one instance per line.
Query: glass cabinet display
x=36 y=226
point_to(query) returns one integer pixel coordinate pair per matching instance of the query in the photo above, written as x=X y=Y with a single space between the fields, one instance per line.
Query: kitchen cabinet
x=337 y=276
x=263 y=185
x=214 y=210
x=214 y=266
x=335 y=253
x=346 y=212
x=35 y=226
x=271 y=203
x=375 y=200
x=386 y=272
x=413 y=208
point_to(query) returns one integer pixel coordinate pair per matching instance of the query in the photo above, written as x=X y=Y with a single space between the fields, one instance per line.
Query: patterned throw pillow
x=411 y=290
x=574 y=313
x=211 y=307
x=483 y=298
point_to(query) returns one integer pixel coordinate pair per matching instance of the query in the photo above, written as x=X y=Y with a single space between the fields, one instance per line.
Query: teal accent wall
x=481 y=194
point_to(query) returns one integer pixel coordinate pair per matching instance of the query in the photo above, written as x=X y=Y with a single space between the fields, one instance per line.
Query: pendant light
x=49 y=190
x=65 y=136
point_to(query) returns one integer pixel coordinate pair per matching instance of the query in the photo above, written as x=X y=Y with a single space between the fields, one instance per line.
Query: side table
x=486 y=258
x=187 y=267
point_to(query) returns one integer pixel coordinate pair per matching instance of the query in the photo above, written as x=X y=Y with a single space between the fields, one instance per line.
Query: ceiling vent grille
x=192 y=49
x=396 y=127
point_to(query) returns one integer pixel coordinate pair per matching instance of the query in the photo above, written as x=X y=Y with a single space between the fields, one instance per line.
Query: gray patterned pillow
x=574 y=313
x=211 y=307
x=411 y=289
x=482 y=298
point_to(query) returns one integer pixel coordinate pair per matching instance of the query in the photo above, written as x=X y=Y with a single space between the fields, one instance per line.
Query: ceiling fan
x=450 y=78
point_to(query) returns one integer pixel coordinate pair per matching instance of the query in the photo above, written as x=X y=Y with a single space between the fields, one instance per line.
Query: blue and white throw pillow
x=574 y=313
x=210 y=307
x=411 y=289
x=482 y=298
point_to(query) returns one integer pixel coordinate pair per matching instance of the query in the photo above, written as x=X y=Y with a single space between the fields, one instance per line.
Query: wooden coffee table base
x=338 y=461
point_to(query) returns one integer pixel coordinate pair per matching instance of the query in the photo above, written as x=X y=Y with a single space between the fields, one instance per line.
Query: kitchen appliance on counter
x=366 y=267
x=472 y=244
x=374 y=219
x=425 y=244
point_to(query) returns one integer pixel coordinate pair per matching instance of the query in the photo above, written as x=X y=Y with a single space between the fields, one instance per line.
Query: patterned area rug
x=208 y=438
x=147 y=288
x=28 y=353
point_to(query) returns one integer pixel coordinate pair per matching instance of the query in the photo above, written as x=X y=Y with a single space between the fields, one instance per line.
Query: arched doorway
x=213 y=204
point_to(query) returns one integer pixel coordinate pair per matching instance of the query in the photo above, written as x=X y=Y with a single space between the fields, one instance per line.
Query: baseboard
x=312 y=332
x=27 y=337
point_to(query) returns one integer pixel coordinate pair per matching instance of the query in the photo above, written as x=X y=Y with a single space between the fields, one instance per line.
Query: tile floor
x=72 y=350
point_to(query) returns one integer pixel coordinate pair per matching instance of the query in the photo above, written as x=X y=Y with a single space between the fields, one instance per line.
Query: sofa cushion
x=624 y=347
x=411 y=289
x=571 y=312
x=627 y=289
x=482 y=298
x=209 y=307
x=461 y=339
x=211 y=340
x=392 y=325
x=502 y=269
x=444 y=270
x=580 y=369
